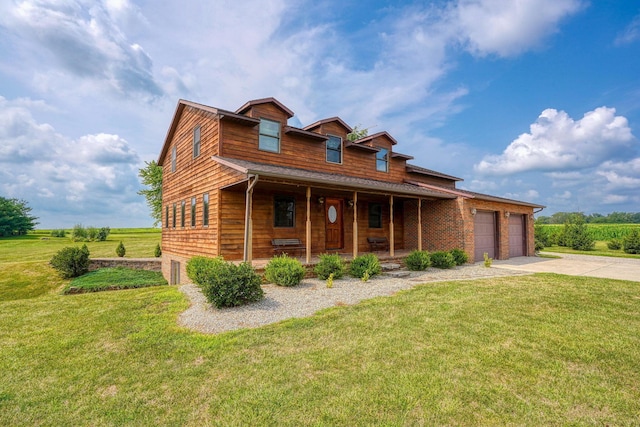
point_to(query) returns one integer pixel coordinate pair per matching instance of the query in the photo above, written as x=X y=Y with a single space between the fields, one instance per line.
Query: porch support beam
x=308 y=231
x=392 y=251
x=419 y=224
x=248 y=220
x=355 y=224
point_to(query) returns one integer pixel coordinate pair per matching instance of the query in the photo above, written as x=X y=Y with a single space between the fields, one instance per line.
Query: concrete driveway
x=576 y=265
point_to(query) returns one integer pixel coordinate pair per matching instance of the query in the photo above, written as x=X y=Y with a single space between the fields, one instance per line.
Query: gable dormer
x=331 y=126
x=269 y=108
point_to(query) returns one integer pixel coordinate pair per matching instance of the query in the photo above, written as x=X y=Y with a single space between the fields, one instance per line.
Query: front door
x=333 y=219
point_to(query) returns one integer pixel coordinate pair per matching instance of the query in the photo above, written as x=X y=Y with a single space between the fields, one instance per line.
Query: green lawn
x=529 y=350
x=24 y=270
x=106 y=279
x=600 y=249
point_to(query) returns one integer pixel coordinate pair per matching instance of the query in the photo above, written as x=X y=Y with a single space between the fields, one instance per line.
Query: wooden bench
x=284 y=245
x=378 y=243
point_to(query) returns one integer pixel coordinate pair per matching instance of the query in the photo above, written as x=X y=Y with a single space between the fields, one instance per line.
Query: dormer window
x=334 y=149
x=269 y=139
x=382 y=160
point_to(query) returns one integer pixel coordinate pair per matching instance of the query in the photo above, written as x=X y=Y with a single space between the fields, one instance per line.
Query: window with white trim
x=193 y=211
x=174 y=157
x=196 y=141
x=269 y=138
x=334 y=149
x=382 y=160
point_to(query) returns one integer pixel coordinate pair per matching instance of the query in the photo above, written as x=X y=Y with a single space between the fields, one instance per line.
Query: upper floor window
x=205 y=209
x=284 y=211
x=196 y=141
x=193 y=211
x=269 y=139
x=382 y=160
x=334 y=149
x=174 y=156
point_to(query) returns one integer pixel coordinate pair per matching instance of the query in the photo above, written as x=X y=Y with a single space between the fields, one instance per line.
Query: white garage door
x=516 y=236
x=485 y=235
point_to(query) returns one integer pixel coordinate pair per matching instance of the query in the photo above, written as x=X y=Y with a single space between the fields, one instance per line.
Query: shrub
x=120 y=250
x=576 y=235
x=614 y=244
x=102 y=234
x=487 y=260
x=158 y=251
x=538 y=245
x=225 y=284
x=631 y=243
x=71 y=261
x=366 y=265
x=418 y=260
x=92 y=233
x=79 y=233
x=459 y=256
x=58 y=233
x=442 y=259
x=329 y=264
x=284 y=271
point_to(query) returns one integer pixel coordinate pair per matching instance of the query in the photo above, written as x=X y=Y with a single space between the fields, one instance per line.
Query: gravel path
x=311 y=295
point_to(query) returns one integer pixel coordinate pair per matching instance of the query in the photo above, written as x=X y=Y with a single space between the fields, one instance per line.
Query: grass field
x=528 y=350
x=24 y=270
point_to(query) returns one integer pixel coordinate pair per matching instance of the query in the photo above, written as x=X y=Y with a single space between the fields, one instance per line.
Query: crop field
x=599 y=231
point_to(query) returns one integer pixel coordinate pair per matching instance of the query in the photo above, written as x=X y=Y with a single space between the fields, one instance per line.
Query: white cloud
x=558 y=143
x=507 y=28
x=630 y=34
x=94 y=176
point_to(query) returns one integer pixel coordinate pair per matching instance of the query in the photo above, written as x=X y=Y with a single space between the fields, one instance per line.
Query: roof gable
x=327 y=121
x=246 y=107
x=383 y=134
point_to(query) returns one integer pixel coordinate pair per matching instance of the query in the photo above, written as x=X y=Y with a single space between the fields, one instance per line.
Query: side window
x=284 y=209
x=269 y=139
x=196 y=141
x=174 y=215
x=193 y=211
x=382 y=160
x=182 y=209
x=166 y=217
x=205 y=209
x=174 y=159
x=375 y=215
x=334 y=149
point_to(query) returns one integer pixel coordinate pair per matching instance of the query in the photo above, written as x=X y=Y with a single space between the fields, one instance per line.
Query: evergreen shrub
x=330 y=264
x=284 y=271
x=418 y=260
x=71 y=261
x=442 y=259
x=631 y=243
x=225 y=284
x=365 y=266
x=459 y=256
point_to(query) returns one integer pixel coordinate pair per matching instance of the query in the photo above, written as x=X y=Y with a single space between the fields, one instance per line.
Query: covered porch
x=317 y=213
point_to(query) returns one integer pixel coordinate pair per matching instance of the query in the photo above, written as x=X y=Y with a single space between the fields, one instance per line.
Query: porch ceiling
x=330 y=180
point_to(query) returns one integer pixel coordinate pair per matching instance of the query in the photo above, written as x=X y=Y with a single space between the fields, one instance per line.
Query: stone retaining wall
x=151 y=264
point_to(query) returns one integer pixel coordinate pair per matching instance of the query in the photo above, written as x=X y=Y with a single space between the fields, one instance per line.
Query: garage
x=516 y=236
x=485 y=235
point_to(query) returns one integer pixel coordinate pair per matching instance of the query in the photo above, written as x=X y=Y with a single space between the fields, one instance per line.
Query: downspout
x=248 y=234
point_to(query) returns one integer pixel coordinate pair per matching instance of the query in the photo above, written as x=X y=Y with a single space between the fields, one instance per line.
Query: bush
x=538 y=245
x=58 y=233
x=442 y=259
x=102 y=234
x=71 y=261
x=576 y=235
x=225 y=284
x=365 y=266
x=284 y=271
x=631 y=243
x=120 y=250
x=158 y=251
x=79 y=233
x=614 y=244
x=418 y=261
x=459 y=256
x=329 y=264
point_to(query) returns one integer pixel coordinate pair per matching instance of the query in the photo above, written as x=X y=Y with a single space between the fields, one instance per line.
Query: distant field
x=599 y=231
x=24 y=268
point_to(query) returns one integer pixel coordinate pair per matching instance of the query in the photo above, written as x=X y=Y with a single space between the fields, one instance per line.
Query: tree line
x=594 y=218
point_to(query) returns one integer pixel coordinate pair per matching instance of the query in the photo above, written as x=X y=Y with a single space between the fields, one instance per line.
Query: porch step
x=400 y=274
x=390 y=266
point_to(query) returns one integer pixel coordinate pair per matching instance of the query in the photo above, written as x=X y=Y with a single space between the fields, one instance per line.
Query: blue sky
x=537 y=100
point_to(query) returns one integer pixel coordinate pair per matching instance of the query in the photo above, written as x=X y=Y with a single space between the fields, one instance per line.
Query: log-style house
x=245 y=185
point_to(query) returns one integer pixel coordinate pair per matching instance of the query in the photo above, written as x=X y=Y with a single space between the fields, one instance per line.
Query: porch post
x=419 y=224
x=248 y=221
x=355 y=224
x=308 y=238
x=391 y=236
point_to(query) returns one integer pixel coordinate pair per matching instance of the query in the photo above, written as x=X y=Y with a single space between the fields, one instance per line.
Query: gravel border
x=281 y=303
